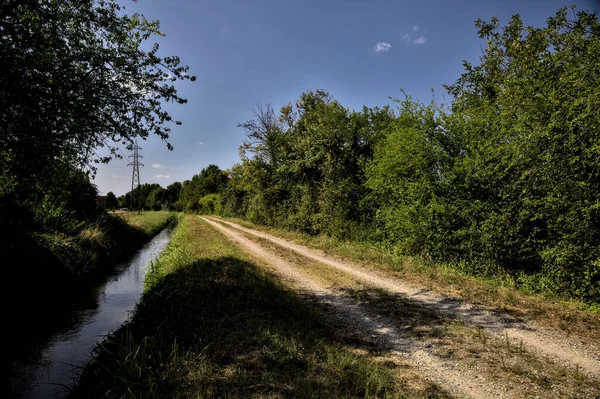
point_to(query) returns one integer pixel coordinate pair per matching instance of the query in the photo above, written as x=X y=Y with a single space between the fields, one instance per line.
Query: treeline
x=152 y=197
x=200 y=194
x=503 y=182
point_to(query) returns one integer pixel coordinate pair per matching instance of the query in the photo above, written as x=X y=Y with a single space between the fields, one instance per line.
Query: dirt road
x=469 y=350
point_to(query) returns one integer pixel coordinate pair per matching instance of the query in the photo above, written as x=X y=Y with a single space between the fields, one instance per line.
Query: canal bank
x=51 y=275
x=53 y=366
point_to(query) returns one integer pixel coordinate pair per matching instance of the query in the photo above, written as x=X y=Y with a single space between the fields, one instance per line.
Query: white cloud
x=116 y=176
x=413 y=36
x=200 y=143
x=163 y=176
x=382 y=46
x=157 y=166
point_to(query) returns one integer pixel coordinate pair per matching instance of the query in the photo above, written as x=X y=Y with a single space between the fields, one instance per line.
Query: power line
x=135 y=178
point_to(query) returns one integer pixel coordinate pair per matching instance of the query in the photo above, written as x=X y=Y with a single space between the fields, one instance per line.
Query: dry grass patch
x=500 y=360
x=93 y=234
x=319 y=272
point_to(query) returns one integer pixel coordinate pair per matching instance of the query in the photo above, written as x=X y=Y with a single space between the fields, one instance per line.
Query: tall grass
x=98 y=246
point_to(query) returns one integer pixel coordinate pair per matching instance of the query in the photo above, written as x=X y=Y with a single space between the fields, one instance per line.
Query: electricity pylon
x=135 y=178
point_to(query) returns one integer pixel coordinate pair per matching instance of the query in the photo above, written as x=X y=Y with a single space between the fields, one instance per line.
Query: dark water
x=58 y=362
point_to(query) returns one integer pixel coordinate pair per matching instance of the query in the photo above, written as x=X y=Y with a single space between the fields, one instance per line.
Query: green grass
x=148 y=222
x=213 y=324
x=570 y=315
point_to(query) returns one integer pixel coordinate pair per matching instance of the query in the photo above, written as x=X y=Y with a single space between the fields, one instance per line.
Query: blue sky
x=248 y=51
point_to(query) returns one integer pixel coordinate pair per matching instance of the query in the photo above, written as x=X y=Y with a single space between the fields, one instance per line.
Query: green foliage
x=63 y=207
x=77 y=75
x=404 y=175
x=305 y=168
x=70 y=68
x=154 y=199
x=505 y=182
x=171 y=197
x=111 y=201
x=211 y=180
x=125 y=200
x=531 y=150
x=87 y=251
x=146 y=196
x=210 y=204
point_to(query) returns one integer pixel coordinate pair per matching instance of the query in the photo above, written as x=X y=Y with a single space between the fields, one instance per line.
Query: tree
x=111 y=201
x=305 y=168
x=262 y=135
x=155 y=199
x=530 y=115
x=125 y=200
x=211 y=180
x=76 y=77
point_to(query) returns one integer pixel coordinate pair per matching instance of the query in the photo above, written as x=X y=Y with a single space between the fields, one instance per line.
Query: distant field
x=147 y=221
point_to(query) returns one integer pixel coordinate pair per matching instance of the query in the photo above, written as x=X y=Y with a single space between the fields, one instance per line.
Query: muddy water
x=51 y=371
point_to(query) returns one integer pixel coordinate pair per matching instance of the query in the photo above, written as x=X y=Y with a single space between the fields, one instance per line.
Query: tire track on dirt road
x=554 y=344
x=460 y=382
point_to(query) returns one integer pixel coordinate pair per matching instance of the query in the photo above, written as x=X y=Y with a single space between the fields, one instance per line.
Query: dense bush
x=210 y=204
x=505 y=181
x=210 y=180
x=305 y=169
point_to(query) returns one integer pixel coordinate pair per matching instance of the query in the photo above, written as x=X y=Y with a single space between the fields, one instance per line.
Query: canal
x=56 y=365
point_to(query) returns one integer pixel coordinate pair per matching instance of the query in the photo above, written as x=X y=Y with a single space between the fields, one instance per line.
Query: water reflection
x=56 y=366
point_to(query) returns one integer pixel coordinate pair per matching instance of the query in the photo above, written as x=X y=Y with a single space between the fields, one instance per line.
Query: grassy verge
x=568 y=315
x=213 y=324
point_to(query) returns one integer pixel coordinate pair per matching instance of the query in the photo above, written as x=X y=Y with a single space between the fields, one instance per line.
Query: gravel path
x=555 y=344
x=456 y=380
